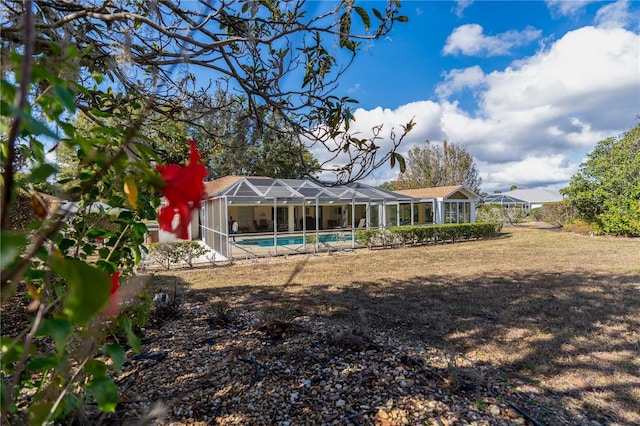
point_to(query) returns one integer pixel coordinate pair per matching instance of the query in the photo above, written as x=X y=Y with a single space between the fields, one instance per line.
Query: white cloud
x=567 y=8
x=458 y=80
x=538 y=118
x=469 y=40
x=614 y=15
x=575 y=76
x=530 y=172
x=461 y=5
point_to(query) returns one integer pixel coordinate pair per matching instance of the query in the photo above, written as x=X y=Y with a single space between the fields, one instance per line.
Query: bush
x=412 y=235
x=537 y=214
x=579 y=227
x=502 y=214
x=558 y=213
x=189 y=251
x=167 y=254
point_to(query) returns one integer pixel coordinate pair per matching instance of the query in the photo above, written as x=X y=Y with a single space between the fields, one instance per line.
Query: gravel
x=206 y=366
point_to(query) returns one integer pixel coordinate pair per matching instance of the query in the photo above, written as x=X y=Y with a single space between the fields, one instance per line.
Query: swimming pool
x=293 y=240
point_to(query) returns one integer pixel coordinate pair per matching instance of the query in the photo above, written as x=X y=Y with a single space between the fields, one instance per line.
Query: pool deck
x=338 y=240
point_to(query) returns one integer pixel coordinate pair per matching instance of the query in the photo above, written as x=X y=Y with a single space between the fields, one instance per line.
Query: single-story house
x=286 y=212
x=535 y=197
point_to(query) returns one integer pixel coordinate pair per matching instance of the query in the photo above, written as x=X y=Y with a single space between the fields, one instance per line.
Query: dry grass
x=560 y=310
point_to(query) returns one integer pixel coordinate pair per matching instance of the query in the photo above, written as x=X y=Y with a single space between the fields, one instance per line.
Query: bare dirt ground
x=534 y=327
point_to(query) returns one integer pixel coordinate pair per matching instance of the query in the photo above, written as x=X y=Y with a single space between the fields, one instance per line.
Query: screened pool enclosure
x=279 y=216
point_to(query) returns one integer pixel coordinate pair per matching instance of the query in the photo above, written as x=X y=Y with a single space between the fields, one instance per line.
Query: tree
x=276 y=54
x=606 y=190
x=438 y=165
x=114 y=63
x=265 y=147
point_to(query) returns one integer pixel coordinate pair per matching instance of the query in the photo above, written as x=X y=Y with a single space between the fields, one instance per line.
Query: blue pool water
x=292 y=240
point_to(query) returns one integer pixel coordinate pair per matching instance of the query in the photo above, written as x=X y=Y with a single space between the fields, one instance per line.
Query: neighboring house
x=505 y=201
x=281 y=209
x=535 y=197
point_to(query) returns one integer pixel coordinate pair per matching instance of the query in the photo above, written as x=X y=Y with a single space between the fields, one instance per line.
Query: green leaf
x=43 y=363
x=11 y=352
x=98 y=77
x=65 y=244
x=88 y=289
x=95 y=368
x=38 y=413
x=105 y=392
x=4 y=397
x=133 y=340
x=58 y=329
x=99 y=113
x=116 y=353
x=402 y=18
x=99 y=233
x=34 y=127
x=11 y=245
x=400 y=159
x=366 y=20
x=41 y=172
x=65 y=96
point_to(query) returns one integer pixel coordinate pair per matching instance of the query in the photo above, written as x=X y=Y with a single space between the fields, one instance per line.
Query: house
x=535 y=197
x=451 y=204
x=282 y=215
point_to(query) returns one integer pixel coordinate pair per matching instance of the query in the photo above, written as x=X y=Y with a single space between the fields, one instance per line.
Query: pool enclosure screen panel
x=215 y=225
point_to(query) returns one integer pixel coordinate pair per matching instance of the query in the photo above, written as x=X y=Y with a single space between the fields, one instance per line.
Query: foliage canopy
x=104 y=80
x=275 y=57
x=435 y=165
x=606 y=190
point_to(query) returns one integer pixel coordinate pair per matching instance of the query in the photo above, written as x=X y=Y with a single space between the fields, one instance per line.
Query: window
x=457 y=212
x=391 y=213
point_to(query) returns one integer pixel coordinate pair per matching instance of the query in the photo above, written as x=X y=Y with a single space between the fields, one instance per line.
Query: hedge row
x=414 y=235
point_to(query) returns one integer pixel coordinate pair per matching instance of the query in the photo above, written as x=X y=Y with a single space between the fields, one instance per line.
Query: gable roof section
x=438 y=192
x=213 y=187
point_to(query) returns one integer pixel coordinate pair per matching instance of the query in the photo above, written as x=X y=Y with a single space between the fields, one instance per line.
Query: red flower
x=114 y=296
x=184 y=189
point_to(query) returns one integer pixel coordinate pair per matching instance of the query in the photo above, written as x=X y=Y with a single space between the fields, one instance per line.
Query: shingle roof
x=213 y=187
x=435 y=192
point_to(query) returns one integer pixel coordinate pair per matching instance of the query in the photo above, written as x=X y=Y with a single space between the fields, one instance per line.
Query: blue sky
x=528 y=88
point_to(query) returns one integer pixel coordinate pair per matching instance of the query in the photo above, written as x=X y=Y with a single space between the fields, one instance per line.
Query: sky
x=528 y=88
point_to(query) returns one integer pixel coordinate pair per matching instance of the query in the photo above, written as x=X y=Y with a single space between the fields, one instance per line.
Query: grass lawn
x=559 y=311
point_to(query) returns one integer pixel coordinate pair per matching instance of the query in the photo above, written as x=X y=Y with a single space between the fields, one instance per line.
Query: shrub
x=411 y=235
x=558 y=213
x=188 y=251
x=502 y=214
x=537 y=214
x=167 y=254
x=162 y=253
x=579 y=227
